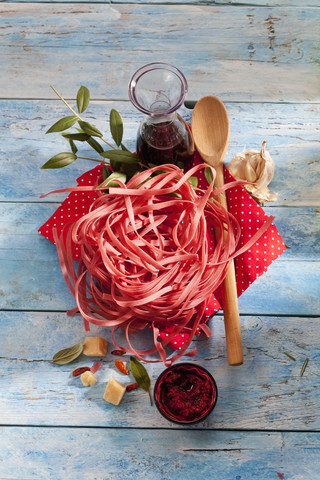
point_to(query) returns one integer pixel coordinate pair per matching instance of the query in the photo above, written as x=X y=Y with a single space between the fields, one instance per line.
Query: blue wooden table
x=261 y=57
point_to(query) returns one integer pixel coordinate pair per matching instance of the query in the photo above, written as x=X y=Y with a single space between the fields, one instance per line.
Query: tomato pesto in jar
x=185 y=393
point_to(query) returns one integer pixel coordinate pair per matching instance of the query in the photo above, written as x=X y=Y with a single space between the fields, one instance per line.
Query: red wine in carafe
x=164 y=143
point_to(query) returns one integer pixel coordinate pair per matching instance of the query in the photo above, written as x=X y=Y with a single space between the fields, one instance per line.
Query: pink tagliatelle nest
x=147 y=258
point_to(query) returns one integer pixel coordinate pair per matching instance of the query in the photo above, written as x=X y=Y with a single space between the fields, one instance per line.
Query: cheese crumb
x=88 y=379
x=114 y=391
x=95 y=347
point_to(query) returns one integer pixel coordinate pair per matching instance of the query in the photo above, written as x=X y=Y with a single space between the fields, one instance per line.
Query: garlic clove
x=250 y=174
x=255 y=166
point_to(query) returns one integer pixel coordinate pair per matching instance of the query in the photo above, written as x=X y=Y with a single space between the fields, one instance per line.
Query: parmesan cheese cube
x=114 y=391
x=88 y=379
x=95 y=347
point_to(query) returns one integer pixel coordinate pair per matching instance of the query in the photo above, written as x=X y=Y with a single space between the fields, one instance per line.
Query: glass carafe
x=158 y=90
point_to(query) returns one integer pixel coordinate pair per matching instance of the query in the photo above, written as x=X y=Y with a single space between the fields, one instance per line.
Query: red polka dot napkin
x=248 y=266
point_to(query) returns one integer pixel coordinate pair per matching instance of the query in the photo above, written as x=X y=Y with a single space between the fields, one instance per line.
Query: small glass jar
x=185 y=393
x=158 y=90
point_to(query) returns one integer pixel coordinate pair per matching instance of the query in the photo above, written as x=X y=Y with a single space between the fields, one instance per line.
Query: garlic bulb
x=257 y=167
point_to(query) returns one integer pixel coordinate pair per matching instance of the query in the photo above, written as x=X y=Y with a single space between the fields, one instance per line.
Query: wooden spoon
x=210 y=128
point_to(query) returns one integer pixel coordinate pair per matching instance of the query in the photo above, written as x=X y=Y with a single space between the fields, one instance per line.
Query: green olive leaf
x=81 y=137
x=130 y=168
x=83 y=98
x=123 y=147
x=140 y=374
x=193 y=181
x=67 y=355
x=106 y=172
x=60 y=160
x=115 y=165
x=208 y=174
x=73 y=146
x=116 y=126
x=159 y=172
x=89 y=129
x=108 y=181
x=180 y=165
x=120 y=156
x=95 y=145
x=63 y=124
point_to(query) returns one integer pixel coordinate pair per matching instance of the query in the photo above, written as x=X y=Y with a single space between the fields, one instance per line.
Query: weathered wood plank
x=65 y=454
x=30 y=266
x=266 y=392
x=299 y=228
x=39 y=285
x=276 y=30
x=243 y=60
x=252 y=3
x=292 y=132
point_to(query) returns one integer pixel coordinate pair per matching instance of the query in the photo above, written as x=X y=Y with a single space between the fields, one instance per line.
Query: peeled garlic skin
x=257 y=167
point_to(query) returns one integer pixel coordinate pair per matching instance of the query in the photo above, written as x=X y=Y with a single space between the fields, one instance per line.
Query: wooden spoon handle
x=230 y=296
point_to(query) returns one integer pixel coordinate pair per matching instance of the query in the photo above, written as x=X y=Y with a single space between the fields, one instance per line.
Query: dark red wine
x=165 y=143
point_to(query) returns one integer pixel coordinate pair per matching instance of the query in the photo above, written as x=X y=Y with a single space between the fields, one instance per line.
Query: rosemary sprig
x=304 y=366
x=290 y=356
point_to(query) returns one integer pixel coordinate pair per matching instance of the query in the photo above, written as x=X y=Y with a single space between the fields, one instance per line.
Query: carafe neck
x=160 y=120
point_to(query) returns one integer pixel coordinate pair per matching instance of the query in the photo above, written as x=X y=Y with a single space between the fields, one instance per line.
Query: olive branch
x=124 y=164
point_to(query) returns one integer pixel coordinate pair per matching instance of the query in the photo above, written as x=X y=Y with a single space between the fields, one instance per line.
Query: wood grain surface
x=261 y=57
x=240 y=53
x=265 y=393
x=254 y=3
x=171 y=454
